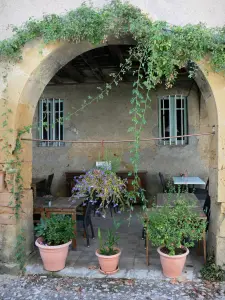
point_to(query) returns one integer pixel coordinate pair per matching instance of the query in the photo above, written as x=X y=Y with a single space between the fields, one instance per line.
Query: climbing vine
x=161 y=49
x=14 y=180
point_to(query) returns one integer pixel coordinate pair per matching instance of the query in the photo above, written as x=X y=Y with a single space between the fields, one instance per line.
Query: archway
x=26 y=81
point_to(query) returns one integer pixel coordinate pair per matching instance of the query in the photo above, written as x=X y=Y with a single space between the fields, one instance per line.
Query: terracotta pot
x=53 y=257
x=172 y=265
x=108 y=264
x=2 y=181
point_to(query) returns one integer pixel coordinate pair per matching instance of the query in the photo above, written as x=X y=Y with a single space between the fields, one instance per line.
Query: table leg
x=74 y=241
x=204 y=246
x=147 y=250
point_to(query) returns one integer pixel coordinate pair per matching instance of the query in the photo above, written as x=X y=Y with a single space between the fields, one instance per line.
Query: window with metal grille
x=51 y=125
x=173 y=119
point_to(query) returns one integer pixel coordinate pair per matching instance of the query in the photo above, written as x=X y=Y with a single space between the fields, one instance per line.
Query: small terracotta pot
x=172 y=265
x=2 y=181
x=109 y=264
x=53 y=257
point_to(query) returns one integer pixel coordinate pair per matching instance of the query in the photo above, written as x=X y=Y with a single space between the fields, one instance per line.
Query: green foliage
x=56 y=230
x=12 y=168
x=175 y=226
x=20 y=250
x=211 y=271
x=108 y=247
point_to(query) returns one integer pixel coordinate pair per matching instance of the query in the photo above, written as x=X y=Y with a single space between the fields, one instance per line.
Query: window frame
x=173 y=119
x=51 y=119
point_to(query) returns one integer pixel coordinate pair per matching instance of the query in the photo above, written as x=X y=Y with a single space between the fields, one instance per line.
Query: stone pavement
x=36 y=287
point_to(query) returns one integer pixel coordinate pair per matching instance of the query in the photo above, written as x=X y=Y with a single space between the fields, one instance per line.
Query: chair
x=87 y=221
x=41 y=188
x=163 y=182
x=49 y=184
x=207 y=209
x=200 y=193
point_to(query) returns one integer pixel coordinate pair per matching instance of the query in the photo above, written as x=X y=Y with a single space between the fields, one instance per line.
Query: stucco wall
x=182 y=12
x=109 y=120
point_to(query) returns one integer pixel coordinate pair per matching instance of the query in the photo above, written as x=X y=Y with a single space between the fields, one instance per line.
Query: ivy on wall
x=160 y=48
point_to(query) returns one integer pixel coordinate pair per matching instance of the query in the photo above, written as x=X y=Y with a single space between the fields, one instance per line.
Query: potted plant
x=108 y=253
x=103 y=185
x=174 y=228
x=54 y=237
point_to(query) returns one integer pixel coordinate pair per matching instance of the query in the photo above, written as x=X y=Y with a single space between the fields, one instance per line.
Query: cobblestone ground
x=43 y=287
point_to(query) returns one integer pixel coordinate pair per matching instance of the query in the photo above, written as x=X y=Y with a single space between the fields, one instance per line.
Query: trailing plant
x=211 y=271
x=12 y=167
x=101 y=184
x=56 y=230
x=109 y=246
x=174 y=225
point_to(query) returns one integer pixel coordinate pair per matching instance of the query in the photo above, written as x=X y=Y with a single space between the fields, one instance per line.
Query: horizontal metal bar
x=119 y=141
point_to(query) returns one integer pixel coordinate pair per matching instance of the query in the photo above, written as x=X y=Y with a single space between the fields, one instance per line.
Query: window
x=173 y=119
x=51 y=122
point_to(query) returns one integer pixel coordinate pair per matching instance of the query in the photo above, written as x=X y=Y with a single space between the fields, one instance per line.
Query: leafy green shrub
x=108 y=248
x=56 y=230
x=174 y=226
x=211 y=271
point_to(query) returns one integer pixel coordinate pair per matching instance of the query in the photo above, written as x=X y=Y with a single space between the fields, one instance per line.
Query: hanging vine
x=160 y=48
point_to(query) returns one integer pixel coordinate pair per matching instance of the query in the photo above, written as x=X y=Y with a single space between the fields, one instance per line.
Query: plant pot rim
x=173 y=256
x=50 y=247
x=108 y=256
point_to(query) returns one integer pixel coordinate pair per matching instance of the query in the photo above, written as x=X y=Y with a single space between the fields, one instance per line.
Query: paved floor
x=49 y=288
x=83 y=262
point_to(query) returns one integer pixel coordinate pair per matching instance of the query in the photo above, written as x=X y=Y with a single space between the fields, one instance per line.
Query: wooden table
x=34 y=183
x=59 y=205
x=162 y=198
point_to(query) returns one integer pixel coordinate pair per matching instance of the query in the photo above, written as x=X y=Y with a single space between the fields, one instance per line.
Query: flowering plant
x=101 y=184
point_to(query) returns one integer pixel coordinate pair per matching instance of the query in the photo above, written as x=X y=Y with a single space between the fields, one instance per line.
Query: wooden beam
x=73 y=73
x=118 y=58
x=56 y=79
x=94 y=67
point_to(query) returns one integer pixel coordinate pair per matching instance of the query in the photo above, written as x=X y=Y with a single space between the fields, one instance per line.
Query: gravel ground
x=43 y=287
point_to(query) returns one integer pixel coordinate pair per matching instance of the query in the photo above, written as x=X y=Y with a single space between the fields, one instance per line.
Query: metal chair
x=207 y=209
x=87 y=222
x=41 y=188
x=200 y=193
x=49 y=184
x=163 y=182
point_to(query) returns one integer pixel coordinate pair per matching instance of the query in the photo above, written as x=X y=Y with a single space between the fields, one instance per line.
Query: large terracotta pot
x=108 y=264
x=172 y=265
x=53 y=257
x=2 y=181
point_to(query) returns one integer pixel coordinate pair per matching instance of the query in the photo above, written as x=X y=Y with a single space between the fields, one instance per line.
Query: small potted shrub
x=54 y=237
x=174 y=229
x=108 y=253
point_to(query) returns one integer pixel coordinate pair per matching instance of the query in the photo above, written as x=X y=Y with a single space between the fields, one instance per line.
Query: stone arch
x=27 y=79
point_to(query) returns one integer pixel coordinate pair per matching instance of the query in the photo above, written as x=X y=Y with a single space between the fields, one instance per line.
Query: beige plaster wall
x=212 y=12
x=109 y=120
